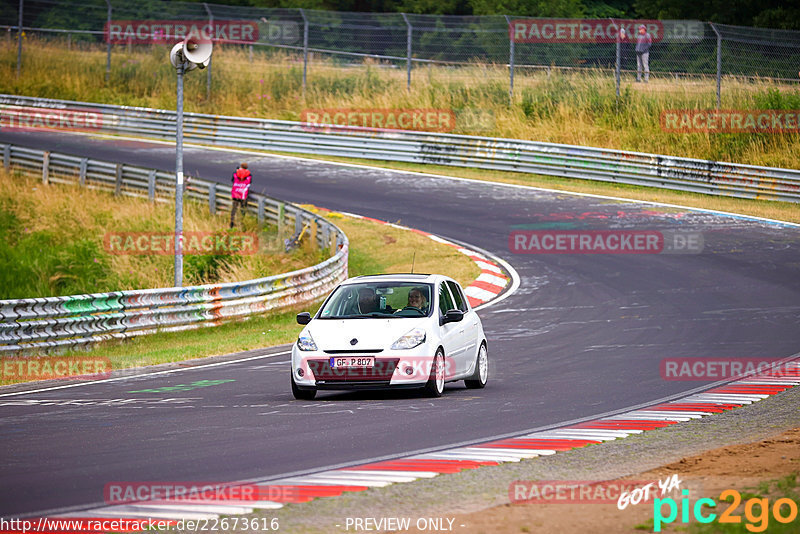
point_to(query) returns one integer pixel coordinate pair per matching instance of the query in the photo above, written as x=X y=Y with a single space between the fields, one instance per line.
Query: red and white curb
x=277 y=493
x=489 y=284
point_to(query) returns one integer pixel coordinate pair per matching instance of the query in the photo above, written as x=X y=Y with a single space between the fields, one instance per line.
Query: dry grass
x=572 y=108
x=53 y=242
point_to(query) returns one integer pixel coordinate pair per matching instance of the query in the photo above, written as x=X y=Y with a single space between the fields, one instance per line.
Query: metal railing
x=568 y=161
x=43 y=324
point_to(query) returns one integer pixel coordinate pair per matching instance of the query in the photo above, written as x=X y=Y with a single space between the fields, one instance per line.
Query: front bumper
x=390 y=371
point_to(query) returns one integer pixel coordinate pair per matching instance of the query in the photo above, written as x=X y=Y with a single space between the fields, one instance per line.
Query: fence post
x=719 y=64
x=118 y=181
x=212 y=198
x=151 y=185
x=305 y=48
x=19 y=40
x=82 y=171
x=409 y=30
x=7 y=158
x=208 y=68
x=619 y=58
x=298 y=222
x=281 y=213
x=46 y=168
x=108 y=39
x=261 y=201
x=510 y=61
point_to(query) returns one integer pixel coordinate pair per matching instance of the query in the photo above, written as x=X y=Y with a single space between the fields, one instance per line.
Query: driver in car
x=416 y=299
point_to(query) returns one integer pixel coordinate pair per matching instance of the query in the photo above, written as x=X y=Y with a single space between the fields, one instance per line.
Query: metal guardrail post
x=108 y=39
x=510 y=61
x=281 y=213
x=212 y=198
x=151 y=185
x=82 y=171
x=7 y=158
x=409 y=30
x=305 y=48
x=298 y=222
x=719 y=64
x=46 y=168
x=260 y=209
x=118 y=180
x=19 y=39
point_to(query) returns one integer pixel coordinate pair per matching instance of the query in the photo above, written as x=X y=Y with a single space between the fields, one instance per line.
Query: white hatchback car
x=390 y=331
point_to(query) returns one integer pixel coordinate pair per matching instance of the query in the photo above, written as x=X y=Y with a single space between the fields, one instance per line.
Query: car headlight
x=305 y=342
x=412 y=338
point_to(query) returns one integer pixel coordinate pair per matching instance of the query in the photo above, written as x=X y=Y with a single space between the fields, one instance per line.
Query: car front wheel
x=481 y=375
x=435 y=385
x=302 y=394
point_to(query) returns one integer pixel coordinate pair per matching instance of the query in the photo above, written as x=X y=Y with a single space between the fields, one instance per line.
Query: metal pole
x=305 y=48
x=19 y=40
x=510 y=62
x=719 y=64
x=409 y=30
x=619 y=59
x=208 y=68
x=179 y=181
x=108 y=38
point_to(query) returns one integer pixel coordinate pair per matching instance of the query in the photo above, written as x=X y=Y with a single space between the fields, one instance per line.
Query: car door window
x=458 y=296
x=445 y=300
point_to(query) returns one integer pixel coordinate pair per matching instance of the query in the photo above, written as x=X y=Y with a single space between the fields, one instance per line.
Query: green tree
x=531 y=8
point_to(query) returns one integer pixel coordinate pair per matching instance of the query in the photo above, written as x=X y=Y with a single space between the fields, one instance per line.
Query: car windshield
x=378 y=300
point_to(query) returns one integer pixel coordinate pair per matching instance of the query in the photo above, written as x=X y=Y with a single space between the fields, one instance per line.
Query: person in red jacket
x=241 y=188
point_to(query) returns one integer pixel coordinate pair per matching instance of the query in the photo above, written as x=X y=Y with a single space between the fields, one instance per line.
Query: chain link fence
x=680 y=50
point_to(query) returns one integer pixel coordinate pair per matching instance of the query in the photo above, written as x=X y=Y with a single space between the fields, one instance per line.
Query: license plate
x=353 y=361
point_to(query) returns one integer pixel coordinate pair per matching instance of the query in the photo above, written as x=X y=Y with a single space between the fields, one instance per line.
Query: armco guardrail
x=665 y=172
x=42 y=324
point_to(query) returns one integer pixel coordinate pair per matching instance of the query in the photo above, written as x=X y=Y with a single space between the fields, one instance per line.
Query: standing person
x=241 y=188
x=643 y=44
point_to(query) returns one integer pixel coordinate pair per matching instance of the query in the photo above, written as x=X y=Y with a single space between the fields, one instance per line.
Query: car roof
x=397 y=277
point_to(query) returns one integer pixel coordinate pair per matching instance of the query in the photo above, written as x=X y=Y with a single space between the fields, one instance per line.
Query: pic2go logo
x=756 y=511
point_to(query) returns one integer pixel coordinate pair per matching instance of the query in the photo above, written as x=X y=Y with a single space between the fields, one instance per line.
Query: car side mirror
x=303 y=318
x=453 y=316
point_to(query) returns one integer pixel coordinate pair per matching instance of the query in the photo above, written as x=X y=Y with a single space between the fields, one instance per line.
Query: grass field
x=574 y=108
x=52 y=242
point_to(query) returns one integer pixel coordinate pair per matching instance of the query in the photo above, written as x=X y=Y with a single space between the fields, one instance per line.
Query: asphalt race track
x=583 y=335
